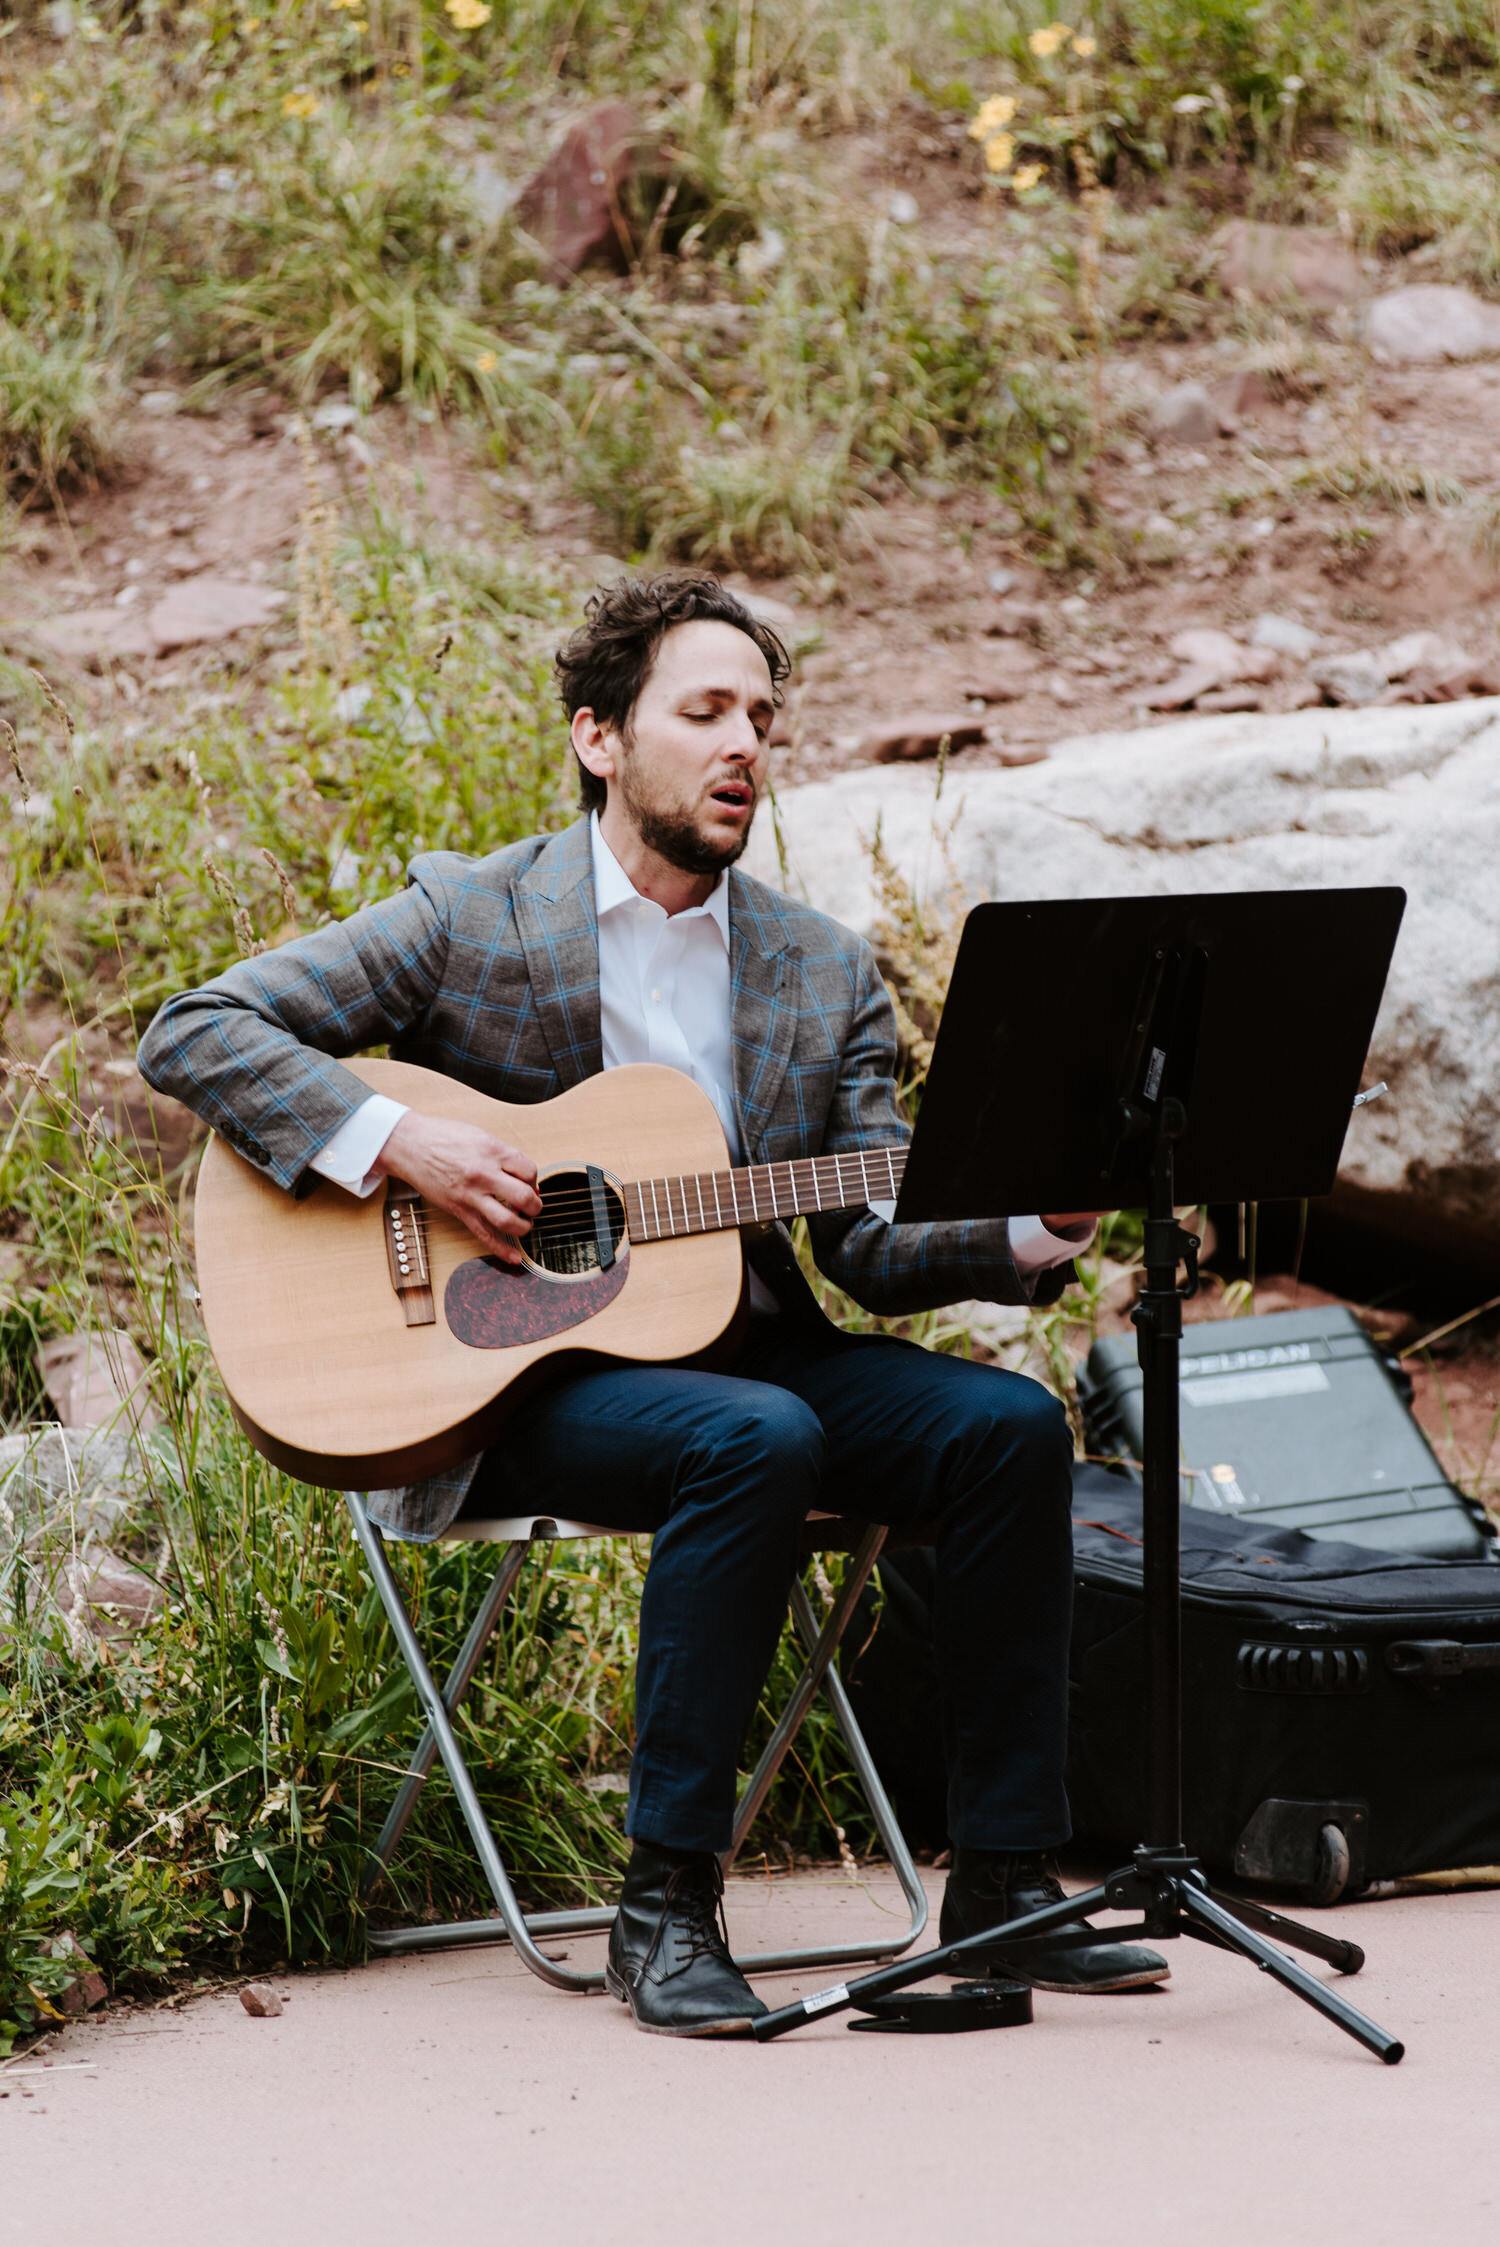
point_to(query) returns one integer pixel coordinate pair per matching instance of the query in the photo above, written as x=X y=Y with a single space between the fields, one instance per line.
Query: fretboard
x=712 y=1201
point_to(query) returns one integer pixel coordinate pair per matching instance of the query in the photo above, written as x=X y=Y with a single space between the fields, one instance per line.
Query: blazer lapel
x=558 y=926
x=761 y=956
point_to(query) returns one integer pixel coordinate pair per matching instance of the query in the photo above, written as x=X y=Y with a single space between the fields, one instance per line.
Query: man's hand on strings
x=487 y=1186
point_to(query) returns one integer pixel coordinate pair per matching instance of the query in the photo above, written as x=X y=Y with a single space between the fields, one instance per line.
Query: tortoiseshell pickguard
x=490 y=1306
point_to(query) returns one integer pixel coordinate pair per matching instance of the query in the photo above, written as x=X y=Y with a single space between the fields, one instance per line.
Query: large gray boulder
x=1317 y=798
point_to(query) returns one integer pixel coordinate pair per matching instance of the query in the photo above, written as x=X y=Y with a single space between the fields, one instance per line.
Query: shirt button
x=656 y=998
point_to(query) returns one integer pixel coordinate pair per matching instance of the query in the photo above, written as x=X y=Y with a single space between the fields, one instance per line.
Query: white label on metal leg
x=820 y=2000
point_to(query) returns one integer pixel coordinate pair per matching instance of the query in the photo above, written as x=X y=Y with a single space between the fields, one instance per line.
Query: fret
x=667 y=1208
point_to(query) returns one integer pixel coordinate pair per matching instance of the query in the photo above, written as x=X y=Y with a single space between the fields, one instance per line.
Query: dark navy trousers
x=723 y=1469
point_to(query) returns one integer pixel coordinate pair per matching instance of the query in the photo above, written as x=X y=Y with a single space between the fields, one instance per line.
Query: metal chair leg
x=459 y=1678
x=881 y=1809
x=516 y=1925
x=819 y=1658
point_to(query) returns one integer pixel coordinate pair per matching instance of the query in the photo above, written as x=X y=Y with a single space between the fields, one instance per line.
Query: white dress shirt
x=663 y=996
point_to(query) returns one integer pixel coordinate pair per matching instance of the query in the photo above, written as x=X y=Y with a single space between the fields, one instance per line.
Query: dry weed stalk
x=917 y=947
x=13 y=751
x=320 y=618
x=1095 y=198
x=53 y=701
x=234 y=905
x=284 y=884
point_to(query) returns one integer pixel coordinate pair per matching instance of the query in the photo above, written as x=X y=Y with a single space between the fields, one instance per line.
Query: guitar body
x=343 y=1369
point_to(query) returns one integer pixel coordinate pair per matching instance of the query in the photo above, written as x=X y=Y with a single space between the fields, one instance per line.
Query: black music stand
x=1141 y=1053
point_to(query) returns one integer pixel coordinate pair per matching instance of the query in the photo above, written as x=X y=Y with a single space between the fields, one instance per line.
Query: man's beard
x=673 y=836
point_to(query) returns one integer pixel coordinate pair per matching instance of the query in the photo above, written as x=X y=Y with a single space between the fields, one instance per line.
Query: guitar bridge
x=406 y=1253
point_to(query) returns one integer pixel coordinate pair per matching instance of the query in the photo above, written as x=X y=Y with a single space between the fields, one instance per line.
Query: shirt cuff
x=1034 y=1249
x=349 y=1157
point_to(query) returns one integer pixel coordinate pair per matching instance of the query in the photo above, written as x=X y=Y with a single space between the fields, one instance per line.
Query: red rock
x=1207 y=648
x=1221 y=699
x=571 y=207
x=1021 y=753
x=94 y=1377
x=87 y=1988
x=1017 y=620
x=209 y=608
x=260 y=2001
x=1000 y=677
x=95 y=638
x=1287 y=265
x=119 y=1599
x=1180 y=693
x=919 y=734
x=1239 y=396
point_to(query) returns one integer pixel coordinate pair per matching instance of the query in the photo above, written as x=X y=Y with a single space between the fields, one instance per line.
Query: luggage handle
x=1431 y=1658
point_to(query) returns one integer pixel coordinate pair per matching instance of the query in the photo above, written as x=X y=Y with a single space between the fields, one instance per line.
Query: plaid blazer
x=488 y=970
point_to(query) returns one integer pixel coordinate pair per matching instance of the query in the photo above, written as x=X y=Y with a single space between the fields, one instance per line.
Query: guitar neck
x=715 y=1201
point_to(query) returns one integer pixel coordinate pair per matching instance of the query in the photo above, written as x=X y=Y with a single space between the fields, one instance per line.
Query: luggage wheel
x=1333 y=1866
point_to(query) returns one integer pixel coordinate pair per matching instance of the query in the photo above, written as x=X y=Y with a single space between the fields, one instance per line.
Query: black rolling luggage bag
x=1341 y=1705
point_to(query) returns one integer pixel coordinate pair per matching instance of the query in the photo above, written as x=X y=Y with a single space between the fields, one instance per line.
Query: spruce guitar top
x=366 y=1344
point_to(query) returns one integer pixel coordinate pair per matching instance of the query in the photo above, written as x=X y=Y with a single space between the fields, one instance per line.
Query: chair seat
x=503 y=1529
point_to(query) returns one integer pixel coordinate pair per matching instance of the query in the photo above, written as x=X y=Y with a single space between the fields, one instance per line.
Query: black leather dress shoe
x=669 y=1952
x=987 y=1887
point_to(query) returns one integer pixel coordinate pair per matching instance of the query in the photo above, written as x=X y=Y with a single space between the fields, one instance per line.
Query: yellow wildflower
x=337 y=4
x=1026 y=177
x=486 y=363
x=1047 y=41
x=1084 y=45
x=992 y=116
x=467 y=15
x=999 y=151
x=301 y=104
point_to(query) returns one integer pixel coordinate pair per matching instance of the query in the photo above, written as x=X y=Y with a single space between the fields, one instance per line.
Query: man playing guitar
x=631 y=937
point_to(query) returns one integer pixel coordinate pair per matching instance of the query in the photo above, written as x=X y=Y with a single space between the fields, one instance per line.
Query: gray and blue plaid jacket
x=488 y=970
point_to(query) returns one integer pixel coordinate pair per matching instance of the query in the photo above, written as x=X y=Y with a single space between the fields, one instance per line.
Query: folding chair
x=517 y=1534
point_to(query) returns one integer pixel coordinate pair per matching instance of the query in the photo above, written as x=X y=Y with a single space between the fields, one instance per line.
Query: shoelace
x=696 y=1892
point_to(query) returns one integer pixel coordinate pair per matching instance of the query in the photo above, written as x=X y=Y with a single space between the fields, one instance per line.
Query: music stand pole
x=1158 y=1321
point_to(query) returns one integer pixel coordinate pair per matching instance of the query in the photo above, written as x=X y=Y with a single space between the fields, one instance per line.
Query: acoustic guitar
x=366 y=1344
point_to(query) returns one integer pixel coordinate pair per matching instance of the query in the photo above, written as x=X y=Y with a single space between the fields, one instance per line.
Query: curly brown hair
x=607 y=661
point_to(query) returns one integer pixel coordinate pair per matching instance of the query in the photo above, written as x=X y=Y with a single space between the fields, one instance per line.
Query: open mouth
x=735 y=795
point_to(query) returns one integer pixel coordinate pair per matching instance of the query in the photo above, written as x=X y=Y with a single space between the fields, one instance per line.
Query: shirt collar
x=613 y=887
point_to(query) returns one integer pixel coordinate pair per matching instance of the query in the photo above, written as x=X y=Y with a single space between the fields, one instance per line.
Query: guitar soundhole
x=564 y=1240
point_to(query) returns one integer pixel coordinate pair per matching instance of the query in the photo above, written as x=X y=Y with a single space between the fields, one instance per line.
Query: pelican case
x=1341 y=1705
x=1297 y=1420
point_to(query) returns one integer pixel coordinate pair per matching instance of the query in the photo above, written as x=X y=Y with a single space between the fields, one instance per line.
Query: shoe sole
x=736 y=2024
x=1147 y=1980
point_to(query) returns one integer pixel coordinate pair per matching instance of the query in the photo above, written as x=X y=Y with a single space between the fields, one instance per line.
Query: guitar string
x=580 y=1201
x=575 y=1211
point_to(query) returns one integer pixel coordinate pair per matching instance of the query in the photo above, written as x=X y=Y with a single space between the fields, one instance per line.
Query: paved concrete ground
x=438 y=2099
